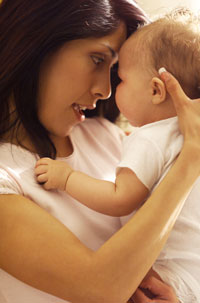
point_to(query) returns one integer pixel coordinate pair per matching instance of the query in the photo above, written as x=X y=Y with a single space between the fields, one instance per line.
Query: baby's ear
x=158 y=91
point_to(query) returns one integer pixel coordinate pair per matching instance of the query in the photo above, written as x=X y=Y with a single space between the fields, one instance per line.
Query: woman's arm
x=55 y=261
x=114 y=199
x=39 y=250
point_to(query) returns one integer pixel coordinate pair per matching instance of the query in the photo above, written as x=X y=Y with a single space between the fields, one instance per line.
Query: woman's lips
x=78 y=110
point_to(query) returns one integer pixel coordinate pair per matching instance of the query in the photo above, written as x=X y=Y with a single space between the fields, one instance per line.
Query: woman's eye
x=97 y=60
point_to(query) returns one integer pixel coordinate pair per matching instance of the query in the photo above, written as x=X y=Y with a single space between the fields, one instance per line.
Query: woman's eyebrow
x=112 y=52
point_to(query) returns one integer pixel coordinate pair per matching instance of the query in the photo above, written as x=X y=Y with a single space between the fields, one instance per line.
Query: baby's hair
x=173 y=42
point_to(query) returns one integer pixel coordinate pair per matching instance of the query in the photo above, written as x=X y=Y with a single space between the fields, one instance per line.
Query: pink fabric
x=97 y=150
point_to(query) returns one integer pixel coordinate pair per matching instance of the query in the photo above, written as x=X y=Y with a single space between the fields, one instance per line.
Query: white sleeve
x=186 y=287
x=8 y=184
x=144 y=158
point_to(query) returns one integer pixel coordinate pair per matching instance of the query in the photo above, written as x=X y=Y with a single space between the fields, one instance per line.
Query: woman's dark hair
x=29 y=31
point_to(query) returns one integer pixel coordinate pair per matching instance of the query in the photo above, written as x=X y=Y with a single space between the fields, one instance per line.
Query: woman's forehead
x=117 y=38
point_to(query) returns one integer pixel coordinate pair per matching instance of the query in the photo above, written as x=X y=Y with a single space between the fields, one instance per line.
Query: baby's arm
x=115 y=199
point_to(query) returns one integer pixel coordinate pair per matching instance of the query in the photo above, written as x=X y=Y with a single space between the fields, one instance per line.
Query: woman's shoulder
x=15 y=165
x=11 y=154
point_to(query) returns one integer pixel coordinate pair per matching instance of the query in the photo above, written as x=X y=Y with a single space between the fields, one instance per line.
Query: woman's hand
x=153 y=290
x=188 y=111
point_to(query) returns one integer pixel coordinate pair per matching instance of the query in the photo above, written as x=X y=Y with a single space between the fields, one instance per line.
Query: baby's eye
x=97 y=60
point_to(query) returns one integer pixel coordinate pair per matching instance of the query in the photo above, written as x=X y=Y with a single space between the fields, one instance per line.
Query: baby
x=174 y=42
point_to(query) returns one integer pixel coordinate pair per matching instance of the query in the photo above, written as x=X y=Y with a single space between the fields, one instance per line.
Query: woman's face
x=74 y=78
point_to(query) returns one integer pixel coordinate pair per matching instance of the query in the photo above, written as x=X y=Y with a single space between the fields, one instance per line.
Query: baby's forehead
x=132 y=49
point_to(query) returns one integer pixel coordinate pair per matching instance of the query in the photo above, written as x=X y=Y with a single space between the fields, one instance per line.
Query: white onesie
x=149 y=152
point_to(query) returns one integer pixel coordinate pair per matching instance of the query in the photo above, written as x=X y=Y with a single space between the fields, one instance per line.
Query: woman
x=55 y=61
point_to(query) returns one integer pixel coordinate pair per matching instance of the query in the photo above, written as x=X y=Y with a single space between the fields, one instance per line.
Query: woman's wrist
x=190 y=156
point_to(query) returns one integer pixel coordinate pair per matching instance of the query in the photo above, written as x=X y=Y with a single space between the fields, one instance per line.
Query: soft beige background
x=156 y=7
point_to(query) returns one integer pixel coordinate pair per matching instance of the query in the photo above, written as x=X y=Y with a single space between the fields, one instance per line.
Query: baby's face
x=133 y=95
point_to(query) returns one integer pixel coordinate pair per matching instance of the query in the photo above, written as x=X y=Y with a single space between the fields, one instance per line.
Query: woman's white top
x=97 y=150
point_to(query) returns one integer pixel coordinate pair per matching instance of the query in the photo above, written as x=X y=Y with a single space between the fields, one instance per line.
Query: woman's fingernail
x=163 y=72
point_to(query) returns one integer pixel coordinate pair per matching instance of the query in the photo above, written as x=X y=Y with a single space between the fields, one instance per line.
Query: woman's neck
x=19 y=136
x=63 y=145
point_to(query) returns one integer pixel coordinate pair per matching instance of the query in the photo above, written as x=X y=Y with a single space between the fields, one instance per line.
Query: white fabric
x=149 y=152
x=97 y=150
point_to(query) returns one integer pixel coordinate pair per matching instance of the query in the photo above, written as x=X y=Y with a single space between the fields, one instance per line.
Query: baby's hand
x=52 y=174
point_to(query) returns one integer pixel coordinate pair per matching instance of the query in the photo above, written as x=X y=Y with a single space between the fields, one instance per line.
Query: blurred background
x=157 y=7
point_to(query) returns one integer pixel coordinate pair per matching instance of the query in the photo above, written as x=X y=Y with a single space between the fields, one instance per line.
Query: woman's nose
x=102 y=86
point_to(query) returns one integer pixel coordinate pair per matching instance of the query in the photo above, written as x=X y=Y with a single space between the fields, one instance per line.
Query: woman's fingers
x=155 y=286
x=174 y=89
x=161 y=291
x=188 y=110
x=153 y=290
x=140 y=297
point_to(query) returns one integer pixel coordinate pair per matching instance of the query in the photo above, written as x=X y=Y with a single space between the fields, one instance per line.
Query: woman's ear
x=158 y=91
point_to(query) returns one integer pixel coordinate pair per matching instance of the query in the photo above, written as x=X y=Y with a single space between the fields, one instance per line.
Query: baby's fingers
x=42 y=178
x=41 y=169
x=43 y=161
